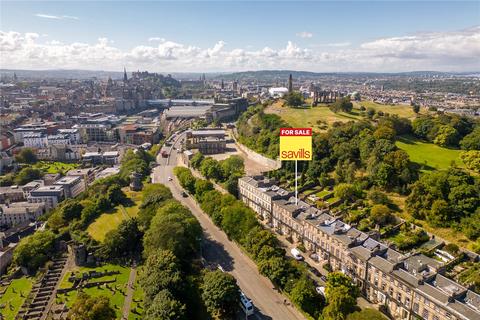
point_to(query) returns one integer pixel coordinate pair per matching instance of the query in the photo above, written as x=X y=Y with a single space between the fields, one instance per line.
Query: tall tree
x=86 y=307
x=165 y=307
x=220 y=293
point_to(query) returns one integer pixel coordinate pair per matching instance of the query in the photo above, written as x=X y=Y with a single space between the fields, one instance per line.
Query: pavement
x=129 y=293
x=217 y=249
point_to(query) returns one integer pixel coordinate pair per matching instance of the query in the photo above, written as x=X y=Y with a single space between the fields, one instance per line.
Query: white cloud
x=153 y=39
x=457 y=50
x=339 y=44
x=54 y=17
x=305 y=34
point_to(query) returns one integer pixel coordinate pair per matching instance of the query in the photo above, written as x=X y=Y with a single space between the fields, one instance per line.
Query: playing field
x=429 y=155
x=111 y=220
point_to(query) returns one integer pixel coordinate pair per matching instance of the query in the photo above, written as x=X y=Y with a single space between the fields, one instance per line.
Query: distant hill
x=272 y=75
x=261 y=75
x=89 y=74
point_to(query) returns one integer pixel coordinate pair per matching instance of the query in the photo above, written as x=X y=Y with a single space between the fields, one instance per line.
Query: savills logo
x=302 y=153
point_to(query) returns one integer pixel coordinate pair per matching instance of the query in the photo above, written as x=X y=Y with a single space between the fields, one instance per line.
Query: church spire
x=125 y=74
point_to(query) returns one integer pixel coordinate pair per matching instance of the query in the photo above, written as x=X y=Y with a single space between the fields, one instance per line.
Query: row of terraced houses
x=409 y=286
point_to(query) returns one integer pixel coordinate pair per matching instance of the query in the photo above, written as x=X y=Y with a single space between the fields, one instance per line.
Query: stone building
x=408 y=286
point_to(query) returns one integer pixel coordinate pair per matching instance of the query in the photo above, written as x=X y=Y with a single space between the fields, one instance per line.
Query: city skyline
x=200 y=36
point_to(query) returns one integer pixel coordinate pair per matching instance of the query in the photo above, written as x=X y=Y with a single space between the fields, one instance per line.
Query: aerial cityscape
x=274 y=160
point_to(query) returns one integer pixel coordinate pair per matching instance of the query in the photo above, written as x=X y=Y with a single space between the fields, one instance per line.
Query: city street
x=217 y=249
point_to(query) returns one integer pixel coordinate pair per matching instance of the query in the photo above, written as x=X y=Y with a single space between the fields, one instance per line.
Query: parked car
x=320 y=290
x=296 y=254
x=315 y=271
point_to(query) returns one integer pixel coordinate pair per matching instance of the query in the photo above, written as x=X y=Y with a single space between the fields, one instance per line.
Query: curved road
x=217 y=249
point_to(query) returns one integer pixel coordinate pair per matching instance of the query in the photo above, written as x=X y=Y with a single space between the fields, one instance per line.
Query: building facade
x=408 y=286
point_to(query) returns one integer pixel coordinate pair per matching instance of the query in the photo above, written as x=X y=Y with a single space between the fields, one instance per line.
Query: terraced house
x=409 y=286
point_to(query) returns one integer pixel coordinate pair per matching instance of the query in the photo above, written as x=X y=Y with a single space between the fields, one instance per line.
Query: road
x=217 y=249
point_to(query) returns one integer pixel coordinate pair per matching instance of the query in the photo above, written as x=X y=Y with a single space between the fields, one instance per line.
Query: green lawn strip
x=14 y=296
x=323 y=193
x=429 y=155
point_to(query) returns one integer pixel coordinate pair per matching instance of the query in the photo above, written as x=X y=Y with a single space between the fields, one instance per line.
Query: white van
x=296 y=254
x=246 y=304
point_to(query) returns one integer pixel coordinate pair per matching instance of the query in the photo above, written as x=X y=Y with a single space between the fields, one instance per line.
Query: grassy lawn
x=429 y=155
x=110 y=220
x=323 y=193
x=311 y=117
x=117 y=297
x=55 y=167
x=14 y=296
x=320 y=117
x=401 y=110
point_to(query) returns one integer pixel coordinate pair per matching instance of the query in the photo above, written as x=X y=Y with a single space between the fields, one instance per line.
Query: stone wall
x=267 y=162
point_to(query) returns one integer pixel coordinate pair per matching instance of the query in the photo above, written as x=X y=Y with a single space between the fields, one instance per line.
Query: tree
x=366 y=314
x=232 y=184
x=472 y=140
x=173 y=228
x=305 y=296
x=210 y=169
x=471 y=159
x=342 y=104
x=424 y=128
x=28 y=174
x=381 y=214
x=125 y=240
x=165 y=307
x=378 y=197
x=186 y=178
x=154 y=196
x=294 y=99
x=345 y=191
x=86 y=307
x=202 y=186
x=115 y=194
x=439 y=213
x=33 y=251
x=238 y=220
x=416 y=108
x=71 y=209
x=384 y=132
x=233 y=165
x=196 y=160
x=338 y=279
x=447 y=136
x=339 y=304
x=26 y=155
x=220 y=293
x=276 y=269
x=161 y=272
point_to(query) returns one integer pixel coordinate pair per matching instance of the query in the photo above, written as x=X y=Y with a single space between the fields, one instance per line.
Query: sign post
x=296 y=144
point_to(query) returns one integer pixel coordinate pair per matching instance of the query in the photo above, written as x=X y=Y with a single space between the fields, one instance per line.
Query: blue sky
x=330 y=36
